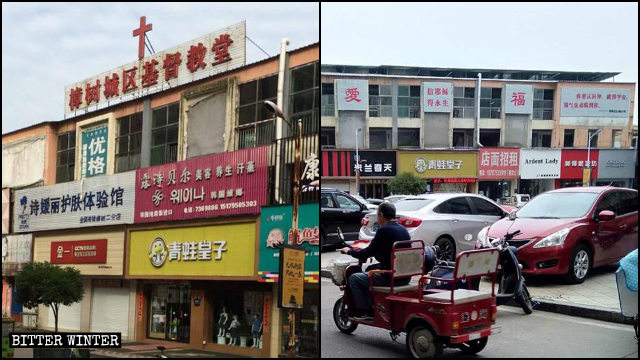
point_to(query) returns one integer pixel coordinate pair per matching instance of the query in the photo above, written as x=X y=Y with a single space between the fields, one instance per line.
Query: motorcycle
x=511 y=284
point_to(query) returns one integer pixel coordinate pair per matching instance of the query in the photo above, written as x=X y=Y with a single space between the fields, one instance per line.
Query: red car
x=572 y=230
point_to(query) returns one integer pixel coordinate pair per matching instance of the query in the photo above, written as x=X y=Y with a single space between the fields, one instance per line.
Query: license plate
x=474 y=336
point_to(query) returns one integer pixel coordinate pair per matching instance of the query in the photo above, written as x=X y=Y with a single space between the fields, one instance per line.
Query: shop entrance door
x=170 y=309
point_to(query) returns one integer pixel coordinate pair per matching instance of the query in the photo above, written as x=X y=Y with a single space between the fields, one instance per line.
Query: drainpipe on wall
x=478 y=91
x=280 y=102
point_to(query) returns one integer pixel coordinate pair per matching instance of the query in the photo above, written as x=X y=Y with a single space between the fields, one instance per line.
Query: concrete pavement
x=596 y=297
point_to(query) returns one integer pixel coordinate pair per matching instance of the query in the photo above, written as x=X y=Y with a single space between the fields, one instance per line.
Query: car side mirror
x=605 y=215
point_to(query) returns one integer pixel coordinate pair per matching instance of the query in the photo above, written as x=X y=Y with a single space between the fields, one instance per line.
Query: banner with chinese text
x=95 y=201
x=439 y=164
x=94 y=151
x=574 y=160
x=599 y=102
x=230 y=183
x=211 y=54
x=498 y=163
x=275 y=229
x=518 y=99
x=372 y=163
x=352 y=94
x=291 y=284
x=438 y=96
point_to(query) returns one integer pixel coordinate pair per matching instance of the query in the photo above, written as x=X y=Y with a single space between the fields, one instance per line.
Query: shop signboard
x=617 y=164
x=16 y=251
x=575 y=160
x=203 y=57
x=498 y=163
x=540 y=164
x=352 y=94
x=595 y=102
x=439 y=164
x=95 y=201
x=372 y=163
x=518 y=99
x=94 y=151
x=275 y=230
x=79 y=252
x=231 y=183
x=438 y=96
x=215 y=250
x=291 y=282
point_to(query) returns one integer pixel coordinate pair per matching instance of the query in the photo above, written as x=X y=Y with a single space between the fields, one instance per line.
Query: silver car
x=449 y=220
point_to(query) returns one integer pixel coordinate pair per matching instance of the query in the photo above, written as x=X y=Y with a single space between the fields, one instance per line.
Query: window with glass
x=594 y=139
x=256 y=122
x=66 y=157
x=328 y=100
x=169 y=310
x=237 y=318
x=616 y=139
x=568 y=137
x=543 y=104
x=409 y=137
x=328 y=137
x=490 y=137
x=540 y=138
x=462 y=138
x=409 y=101
x=490 y=103
x=463 y=102
x=303 y=101
x=379 y=100
x=379 y=138
x=128 y=142
x=164 y=134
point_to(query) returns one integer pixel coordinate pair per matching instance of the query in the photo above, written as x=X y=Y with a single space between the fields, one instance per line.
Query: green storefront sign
x=275 y=229
x=94 y=151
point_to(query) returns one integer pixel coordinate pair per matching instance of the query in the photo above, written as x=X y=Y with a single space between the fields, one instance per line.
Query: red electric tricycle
x=432 y=318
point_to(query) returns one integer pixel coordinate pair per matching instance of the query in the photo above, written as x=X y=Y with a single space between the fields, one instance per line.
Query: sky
x=597 y=37
x=47 y=46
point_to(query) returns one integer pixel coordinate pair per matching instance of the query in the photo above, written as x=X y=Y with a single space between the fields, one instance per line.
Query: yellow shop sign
x=216 y=250
x=439 y=164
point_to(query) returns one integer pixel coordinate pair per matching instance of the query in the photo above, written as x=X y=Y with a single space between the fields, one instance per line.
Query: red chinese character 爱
x=195 y=57
x=221 y=48
x=171 y=62
x=351 y=95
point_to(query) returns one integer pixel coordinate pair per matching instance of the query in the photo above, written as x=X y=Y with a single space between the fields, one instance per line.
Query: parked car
x=572 y=230
x=449 y=220
x=375 y=201
x=339 y=209
x=395 y=198
x=365 y=202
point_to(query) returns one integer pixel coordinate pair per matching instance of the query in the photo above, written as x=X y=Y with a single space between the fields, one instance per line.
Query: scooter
x=511 y=282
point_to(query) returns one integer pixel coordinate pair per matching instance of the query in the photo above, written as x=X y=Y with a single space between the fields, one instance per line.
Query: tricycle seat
x=459 y=296
x=396 y=289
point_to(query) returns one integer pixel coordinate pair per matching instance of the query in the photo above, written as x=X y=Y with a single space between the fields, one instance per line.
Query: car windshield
x=360 y=199
x=558 y=205
x=412 y=204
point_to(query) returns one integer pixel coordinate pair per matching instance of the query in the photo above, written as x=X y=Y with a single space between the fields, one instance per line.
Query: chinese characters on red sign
x=573 y=161
x=497 y=163
x=222 y=184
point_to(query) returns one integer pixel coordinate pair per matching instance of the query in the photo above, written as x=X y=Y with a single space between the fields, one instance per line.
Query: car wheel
x=579 y=264
x=422 y=342
x=447 y=249
x=474 y=346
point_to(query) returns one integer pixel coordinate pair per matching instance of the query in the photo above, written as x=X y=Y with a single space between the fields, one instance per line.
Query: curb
x=584 y=311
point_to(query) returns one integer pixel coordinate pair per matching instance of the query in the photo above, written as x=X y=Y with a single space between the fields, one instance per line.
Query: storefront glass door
x=169 y=312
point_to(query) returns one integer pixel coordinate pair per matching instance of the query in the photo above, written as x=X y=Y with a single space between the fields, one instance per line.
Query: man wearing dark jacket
x=380 y=248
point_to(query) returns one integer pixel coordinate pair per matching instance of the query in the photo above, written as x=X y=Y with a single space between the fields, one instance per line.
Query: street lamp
x=589 y=153
x=357 y=164
x=296 y=176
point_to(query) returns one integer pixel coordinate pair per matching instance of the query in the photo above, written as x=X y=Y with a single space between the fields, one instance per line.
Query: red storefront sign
x=79 y=252
x=574 y=161
x=208 y=186
x=266 y=311
x=460 y=180
x=498 y=163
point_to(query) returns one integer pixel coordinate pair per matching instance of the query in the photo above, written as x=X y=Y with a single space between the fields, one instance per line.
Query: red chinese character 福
x=518 y=99
x=351 y=95
x=111 y=86
x=150 y=76
x=75 y=98
x=129 y=77
x=171 y=62
x=92 y=93
x=221 y=48
x=196 y=57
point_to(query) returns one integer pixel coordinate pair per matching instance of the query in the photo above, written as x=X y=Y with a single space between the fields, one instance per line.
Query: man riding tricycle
x=432 y=318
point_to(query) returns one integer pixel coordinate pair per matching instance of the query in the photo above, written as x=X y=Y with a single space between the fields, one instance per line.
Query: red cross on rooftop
x=141 y=32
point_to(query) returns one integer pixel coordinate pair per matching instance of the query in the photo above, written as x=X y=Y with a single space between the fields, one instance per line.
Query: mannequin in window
x=256 y=328
x=234 y=328
x=222 y=320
